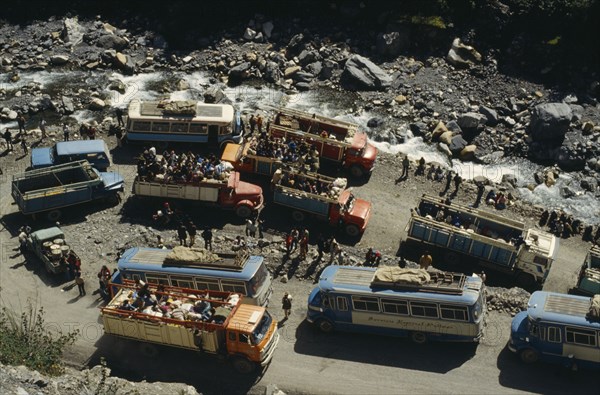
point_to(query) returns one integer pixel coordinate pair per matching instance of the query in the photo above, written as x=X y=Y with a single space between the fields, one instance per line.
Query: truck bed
x=45 y=180
x=302 y=201
x=205 y=191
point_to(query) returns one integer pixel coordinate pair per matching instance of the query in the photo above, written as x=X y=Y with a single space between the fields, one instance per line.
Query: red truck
x=337 y=141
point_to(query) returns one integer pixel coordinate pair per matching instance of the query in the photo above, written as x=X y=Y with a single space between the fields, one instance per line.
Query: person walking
x=80 y=282
x=303 y=246
x=448 y=181
x=480 y=190
x=295 y=238
x=250 y=228
x=425 y=261
x=421 y=168
x=103 y=277
x=119 y=114
x=286 y=305
x=182 y=234
x=43 y=128
x=457 y=182
x=21 y=123
x=405 y=167
x=252 y=122
x=207 y=236
x=8 y=137
x=66 y=132
x=335 y=250
x=24 y=145
x=192 y=231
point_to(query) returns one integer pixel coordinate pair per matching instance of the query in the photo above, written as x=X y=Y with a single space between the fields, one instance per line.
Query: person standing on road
x=119 y=114
x=24 y=145
x=80 y=283
x=448 y=181
x=425 y=261
x=320 y=247
x=21 y=123
x=457 y=182
x=182 y=235
x=207 y=236
x=192 y=230
x=405 y=167
x=480 y=190
x=8 y=137
x=66 y=132
x=335 y=250
x=286 y=305
x=43 y=128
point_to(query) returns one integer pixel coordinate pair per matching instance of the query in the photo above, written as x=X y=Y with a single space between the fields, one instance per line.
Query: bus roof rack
x=196 y=257
x=419 y=280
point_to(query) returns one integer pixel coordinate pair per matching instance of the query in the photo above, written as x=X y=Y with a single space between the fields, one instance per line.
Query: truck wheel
x=525 y=280
x=243 y=365
x=243 y=211
x=325 y=326
x=54 y=215
x=418 y=337
x=352 y=230
x=529 y=356
x=298 y=216
x=357 y=171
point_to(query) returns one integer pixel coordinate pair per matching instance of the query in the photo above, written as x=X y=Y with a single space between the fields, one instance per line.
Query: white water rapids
x=251 y=98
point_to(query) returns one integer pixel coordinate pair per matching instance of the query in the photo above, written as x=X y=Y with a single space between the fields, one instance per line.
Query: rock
x=468 y=153
x=294 y=45
x=440 y=129
x=259 y=38
x=97 y=104
x=446 y=137
x=471 y=120
x=569 y=159
x=587 y=128
x=183 y=85
x=550 y=121
x=443 y=148
x=510 y=179
x=303 y=76
x=375 y=122
x=400 y=99
x=418 y=128
x=490 y=114
x=457 y=144
x=59 y=60
x=250 y=56
x=112 y=41
x=391 y=44
x=307 y=57
x=272 y=389
x=589 y=184
x=461 y=55
x=314 y=68
x=267 y=29
x=121 y=59
x=567 y=192
x=284 y=278
x=240 y=72
x=272 y=72
x=290 y=71
x=214 y=94
x=249 y=34
x=302 y=86
x=118 y=86
x=454 y=127
x=72 y=32
x=67 y=105
x=362 y=74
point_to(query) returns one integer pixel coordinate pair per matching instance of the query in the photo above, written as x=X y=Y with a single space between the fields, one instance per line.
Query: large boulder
x=461 y=55
x=362 y=74
x=240 y=72
x=550 y=121
x=471 y=120
x=457 y=144
x=112 y=41
x=72 y=32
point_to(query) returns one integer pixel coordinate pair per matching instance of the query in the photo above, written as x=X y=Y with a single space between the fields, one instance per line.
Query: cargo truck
x=588 y=281
x=242 y=197
x=51 y=189
x=335 y=204
x=211 y=322
x=336 y=141
x=463 y=235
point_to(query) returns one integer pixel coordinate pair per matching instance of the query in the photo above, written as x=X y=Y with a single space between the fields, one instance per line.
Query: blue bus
x=183 y=122
x=558 y=328
x=240 y=273
x=399 y=302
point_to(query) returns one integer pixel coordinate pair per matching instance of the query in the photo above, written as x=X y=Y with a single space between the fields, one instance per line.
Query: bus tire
x=352 y=230
x=451 y=258
x=418 y=337
x=525 y=280
x=148 y=350
x=243 y=365
x=243 y=211
x=54 y=215
x=529 y=355
x=357 y=171
x=298 y=216
x=325 y=326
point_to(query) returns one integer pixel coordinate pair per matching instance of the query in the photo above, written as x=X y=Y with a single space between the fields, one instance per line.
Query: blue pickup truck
x=51 y=189
x=94 y=151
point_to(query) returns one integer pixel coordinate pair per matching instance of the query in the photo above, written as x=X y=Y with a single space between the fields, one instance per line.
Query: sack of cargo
x=396 y=275
x=594 y=312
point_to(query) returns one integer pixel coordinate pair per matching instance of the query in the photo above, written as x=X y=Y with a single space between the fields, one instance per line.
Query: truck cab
x=351 y=212
x=360 y=156
x=588 y=281
x=94 y=151
x=244 y=197
x=536 y=254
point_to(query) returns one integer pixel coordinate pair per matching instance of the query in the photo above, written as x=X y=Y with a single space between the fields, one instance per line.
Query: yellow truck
x=212 y=322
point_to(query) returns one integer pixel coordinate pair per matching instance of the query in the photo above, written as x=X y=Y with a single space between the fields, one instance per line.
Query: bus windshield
x=262 y=328
x=258 y=280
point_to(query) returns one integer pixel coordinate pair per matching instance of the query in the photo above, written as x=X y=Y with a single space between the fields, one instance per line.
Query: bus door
x=213 y=135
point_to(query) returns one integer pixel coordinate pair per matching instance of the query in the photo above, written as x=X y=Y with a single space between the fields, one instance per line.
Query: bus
x=391 y=301
x=183 y=122
x=241 y=273
x=558 y=328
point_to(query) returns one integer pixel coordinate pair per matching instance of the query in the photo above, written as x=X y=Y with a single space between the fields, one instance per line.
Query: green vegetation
x=25 y=340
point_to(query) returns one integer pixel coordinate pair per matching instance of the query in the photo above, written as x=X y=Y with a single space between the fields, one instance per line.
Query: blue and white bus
x=240 y=273
x=183 y=122
x=442 y=306
x=557 y=328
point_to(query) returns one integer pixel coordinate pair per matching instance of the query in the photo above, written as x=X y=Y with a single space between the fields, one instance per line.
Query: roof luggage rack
x=419 y=280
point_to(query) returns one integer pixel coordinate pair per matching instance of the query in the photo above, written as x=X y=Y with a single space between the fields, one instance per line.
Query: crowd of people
x=565 y=226
x=187 y=168
x=315 y=186
x=286 y=150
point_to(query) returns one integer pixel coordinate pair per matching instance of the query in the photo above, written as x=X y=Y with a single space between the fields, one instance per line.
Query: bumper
x=269 y=356
x=511 y=345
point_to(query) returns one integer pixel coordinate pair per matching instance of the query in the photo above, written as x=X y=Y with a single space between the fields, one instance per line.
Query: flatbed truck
x=49 y=245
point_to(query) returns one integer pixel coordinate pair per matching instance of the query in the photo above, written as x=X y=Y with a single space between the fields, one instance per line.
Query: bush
x=24 y=340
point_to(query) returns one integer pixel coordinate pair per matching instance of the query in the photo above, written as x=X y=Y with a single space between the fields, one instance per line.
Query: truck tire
x=357 y=171
x=298 y=216
x=529 y=355
x=243 y=211
x=418 y=337
x=325 y=326
x=525 y=280
x=352 y=230
x=243 y=365
x=54 y=215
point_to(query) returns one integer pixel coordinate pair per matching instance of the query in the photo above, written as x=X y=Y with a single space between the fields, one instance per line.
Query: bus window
x=423 y=309
x=140 y=126
x=394 y=306
x=157 y=279
x=342 y=303
x=554 y=335
x=365 y=303
x=209 y=284
x=581 y=336
x=198 y=128
x=233 y=286
x=179 y=127
x=182 y=282
x=224 y=130
x=457 y=313
x=160 y=126
x=259 y=278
